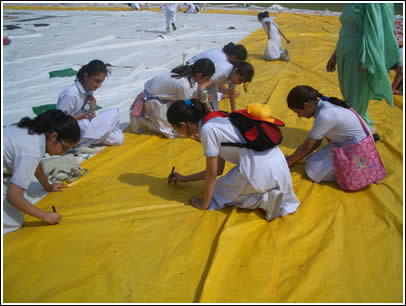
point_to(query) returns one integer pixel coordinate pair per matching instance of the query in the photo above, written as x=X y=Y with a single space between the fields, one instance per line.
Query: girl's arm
x=233 y=94
x=209 y=183
x=16 y=198
x=331 y=64
x=268 y=24
x=303 y=150
x=283 y=35
x=42 y=178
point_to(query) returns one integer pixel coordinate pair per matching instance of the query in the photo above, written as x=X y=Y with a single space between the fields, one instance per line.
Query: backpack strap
x=214 y=114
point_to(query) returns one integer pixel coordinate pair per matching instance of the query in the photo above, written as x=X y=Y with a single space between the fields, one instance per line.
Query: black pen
x=173 y=169
x=53 y=208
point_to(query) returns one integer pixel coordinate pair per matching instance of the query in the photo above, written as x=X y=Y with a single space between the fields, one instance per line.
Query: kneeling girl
x=258 y=180
x=332 y=119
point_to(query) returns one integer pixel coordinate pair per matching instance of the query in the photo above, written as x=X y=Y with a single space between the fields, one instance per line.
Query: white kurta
x=255 y=175
x=160 y=93
x=273 y=49
x=342 y=127
x=21 y=156
x=223 y=69
x=102 y=129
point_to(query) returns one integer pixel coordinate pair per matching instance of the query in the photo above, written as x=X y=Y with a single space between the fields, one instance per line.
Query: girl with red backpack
x=258 y=180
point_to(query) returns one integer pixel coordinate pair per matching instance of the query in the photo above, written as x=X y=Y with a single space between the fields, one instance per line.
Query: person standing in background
x=170 y=14
x=365 y=51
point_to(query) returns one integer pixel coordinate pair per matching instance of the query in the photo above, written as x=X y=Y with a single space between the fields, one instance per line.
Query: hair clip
x=324 y=98
x=188 y=102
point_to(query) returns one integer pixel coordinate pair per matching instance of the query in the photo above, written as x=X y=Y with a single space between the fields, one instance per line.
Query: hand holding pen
x=171 y=175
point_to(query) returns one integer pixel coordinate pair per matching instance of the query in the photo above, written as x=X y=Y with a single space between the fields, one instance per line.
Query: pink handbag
x=358 y=165
x=137 y=106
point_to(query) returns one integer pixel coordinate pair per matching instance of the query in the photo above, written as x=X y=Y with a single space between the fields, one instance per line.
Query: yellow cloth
x=127 y=236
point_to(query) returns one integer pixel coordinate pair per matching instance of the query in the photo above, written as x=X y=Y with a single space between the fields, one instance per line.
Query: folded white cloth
x=63 y=168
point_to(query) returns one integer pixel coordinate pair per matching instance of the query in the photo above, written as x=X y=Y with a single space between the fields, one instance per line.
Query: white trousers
x=320 y=165
x=154 y=119
x=233 y=189
x=103 y=129
x=170 y=18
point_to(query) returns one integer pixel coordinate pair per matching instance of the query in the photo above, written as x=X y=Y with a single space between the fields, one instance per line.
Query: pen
x=53 y=208
x=173 y=169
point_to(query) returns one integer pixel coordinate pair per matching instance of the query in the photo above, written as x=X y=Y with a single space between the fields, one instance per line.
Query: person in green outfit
x=365 y=51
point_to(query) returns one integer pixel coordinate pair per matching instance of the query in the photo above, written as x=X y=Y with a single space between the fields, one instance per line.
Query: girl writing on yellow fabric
x=52 y=132
x=258 y=180
x=333 y=119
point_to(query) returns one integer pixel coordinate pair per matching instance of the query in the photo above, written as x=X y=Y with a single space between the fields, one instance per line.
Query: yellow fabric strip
x=126 y=236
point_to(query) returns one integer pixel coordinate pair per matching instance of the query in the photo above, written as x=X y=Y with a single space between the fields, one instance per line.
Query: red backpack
x=259 y=134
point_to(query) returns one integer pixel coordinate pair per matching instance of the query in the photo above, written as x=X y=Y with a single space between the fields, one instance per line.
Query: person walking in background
x=366 y=49
x=78 y=101
x=170 y=14
x=273 y=50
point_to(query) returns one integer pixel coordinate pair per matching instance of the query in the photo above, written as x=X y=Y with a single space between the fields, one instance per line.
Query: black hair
x=204 y=66
x=263 y=14
x=239 y=51
x=245 y=70
x=53 y=121
x=92 y=68
x=301 y=94
x=180 y=112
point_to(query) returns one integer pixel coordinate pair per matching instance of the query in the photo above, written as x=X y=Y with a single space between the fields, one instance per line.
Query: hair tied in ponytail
x=324 y=98
x=188 y=102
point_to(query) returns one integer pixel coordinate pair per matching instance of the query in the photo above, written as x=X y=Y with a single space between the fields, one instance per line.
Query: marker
x=53 y=208
x=173 y=169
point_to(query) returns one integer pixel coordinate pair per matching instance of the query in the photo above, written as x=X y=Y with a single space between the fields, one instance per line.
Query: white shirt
x=264 y=170
x=73 y=99
x=170 y=88
x=274 y=29
x=21 y=154
x=219 y=59
x=337 y=123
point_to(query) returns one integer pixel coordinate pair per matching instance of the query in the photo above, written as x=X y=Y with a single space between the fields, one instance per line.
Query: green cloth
x=366 y=37
x=43 y=108
x=62 y=73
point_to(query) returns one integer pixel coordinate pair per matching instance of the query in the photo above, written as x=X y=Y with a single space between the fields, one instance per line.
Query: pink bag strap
x=362 y=123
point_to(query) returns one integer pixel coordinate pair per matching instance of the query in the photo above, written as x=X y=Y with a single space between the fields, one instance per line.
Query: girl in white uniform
x=259 y=179
x=273 y=49
x=221 y=57
x=170 y=15
x=78 y=101
x=333 y=119
x=24 y=144
x=160 y=92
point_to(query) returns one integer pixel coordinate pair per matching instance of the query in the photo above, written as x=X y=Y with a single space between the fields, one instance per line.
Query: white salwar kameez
x=342 y=127
x=103 y=129
x=170 y=15
x=160 y=93
x=273 y=50
x=223 y=69
x=257 y=178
